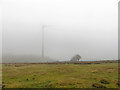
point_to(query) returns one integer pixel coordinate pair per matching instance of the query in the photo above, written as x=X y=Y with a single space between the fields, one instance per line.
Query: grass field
x=104 y=75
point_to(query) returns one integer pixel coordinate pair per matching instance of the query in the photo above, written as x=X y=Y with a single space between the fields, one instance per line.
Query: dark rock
x=97 y=85
x=33 y=78
x=118 y=83
x=27 y=79
x=104 y=81
x=3 y=86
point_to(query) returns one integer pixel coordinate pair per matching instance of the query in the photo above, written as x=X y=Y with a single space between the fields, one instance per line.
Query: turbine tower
x=43 y=35
x=43 y=41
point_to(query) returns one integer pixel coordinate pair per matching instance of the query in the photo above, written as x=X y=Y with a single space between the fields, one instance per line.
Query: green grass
x=59 y=75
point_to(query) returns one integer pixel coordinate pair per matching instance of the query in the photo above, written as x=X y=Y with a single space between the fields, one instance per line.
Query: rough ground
x=104 y=75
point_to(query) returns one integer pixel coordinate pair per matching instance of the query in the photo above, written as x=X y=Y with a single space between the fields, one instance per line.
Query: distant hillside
x=24 y=59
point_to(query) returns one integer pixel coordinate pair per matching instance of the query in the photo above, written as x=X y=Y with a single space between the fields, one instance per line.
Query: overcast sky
x=85 y=27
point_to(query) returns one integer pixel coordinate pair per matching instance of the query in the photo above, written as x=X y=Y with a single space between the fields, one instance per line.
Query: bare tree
x=75 y=58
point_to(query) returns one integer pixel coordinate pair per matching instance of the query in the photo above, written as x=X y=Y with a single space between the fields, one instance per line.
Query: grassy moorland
x=103 y=75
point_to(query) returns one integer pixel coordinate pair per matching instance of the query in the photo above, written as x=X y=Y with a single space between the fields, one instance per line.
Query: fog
x=85 y=27
x=0 y=32
x=119 y=30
